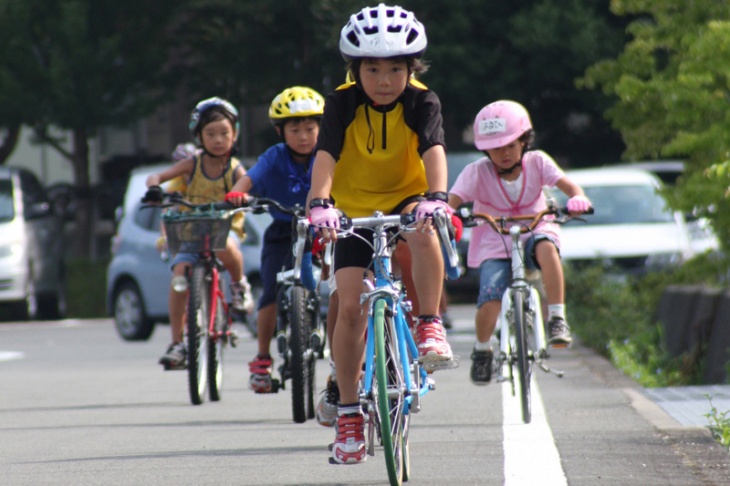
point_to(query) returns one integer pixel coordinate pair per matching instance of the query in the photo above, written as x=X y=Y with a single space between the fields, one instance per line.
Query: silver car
x=138 y=279
x=32 y=270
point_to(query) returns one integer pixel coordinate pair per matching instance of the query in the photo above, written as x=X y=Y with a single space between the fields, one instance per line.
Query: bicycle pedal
x=233 y=339
x=169 y=367
x=446 y=364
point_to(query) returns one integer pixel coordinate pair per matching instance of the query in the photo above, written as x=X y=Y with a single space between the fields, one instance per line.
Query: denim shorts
x=495 y=274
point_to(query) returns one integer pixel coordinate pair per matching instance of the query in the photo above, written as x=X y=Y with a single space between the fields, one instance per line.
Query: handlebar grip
x=448 y=245
x=307 y=274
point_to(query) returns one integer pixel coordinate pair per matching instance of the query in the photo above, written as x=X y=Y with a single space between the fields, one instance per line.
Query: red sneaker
x=431 y=339
x=260 y=368
x=349 y=446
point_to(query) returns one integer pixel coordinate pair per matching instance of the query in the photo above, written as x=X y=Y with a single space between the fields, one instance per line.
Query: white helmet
x=382 y=31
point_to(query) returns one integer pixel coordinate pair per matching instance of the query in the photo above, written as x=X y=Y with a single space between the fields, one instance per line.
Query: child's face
x=301 y=135
x=383 y=80
x=218 y=137
x=506 y=156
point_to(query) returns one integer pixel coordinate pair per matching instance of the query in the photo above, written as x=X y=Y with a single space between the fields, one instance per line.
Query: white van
x=632 y=231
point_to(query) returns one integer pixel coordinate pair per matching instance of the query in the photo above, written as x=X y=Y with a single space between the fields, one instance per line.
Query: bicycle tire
x=312 y=353
x=197 y=334
x=216 y=348
x=299 y=366
x=390 y=385
x=524 y=368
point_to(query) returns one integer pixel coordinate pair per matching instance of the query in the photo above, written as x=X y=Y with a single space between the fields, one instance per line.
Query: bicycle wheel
x=197 y=329
x=216 y=347
x=524 y=366
x=390 y=386
x=312 y=352
x=300 y=357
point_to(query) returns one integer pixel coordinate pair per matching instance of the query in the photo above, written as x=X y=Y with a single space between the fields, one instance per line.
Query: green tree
x=672 y=92
x=79 y=65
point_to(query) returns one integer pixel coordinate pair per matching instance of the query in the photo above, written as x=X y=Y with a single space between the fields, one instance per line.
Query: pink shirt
x=480 y=184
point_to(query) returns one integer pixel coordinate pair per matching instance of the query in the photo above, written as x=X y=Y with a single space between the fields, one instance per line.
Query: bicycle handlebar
x=405 y=223
x=499 y=224
x=302 y=270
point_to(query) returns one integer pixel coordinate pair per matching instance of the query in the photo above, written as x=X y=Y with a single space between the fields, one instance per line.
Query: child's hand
x=578 y=204
x=237 y=198
x=154 y=194
x=426 y=208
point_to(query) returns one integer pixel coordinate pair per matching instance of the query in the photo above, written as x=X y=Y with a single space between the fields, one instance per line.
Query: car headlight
x=12 y=249
x=660 y=260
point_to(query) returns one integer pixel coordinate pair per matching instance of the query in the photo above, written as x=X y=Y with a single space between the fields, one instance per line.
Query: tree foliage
x=80 y=65
x=671 y=88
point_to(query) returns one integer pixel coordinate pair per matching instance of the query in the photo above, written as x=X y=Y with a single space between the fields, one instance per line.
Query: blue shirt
x=276 y=176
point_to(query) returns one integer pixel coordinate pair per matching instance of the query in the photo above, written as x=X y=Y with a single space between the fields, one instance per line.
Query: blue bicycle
x=394 y=381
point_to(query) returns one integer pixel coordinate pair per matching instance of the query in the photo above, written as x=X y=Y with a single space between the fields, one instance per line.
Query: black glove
x=154 y=194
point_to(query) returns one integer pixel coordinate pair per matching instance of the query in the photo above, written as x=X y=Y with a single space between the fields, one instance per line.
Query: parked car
x=32 y=270
x=632 y=231
x=138 y=280
x=702 y=236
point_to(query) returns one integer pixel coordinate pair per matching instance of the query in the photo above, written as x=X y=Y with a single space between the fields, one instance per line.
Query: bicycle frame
x=519 y=283
x=385 y=288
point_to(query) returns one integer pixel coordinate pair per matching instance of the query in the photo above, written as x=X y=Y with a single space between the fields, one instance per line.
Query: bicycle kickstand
x=547 y=369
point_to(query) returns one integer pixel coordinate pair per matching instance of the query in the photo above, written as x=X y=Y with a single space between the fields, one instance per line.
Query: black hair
x=212 y=114
x=416 y=65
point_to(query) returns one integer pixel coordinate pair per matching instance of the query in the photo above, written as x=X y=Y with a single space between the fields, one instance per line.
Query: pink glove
x=426 y=208
x=321 y=216
x=578 y=204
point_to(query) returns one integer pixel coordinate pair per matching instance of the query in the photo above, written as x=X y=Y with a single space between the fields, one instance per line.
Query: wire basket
x=196 y=234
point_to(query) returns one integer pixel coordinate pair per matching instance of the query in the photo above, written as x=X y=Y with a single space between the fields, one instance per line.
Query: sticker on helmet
x=298 y=106
x=491 y=126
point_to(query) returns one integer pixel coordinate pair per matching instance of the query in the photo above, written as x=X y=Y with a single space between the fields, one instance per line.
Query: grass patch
x=86 y=288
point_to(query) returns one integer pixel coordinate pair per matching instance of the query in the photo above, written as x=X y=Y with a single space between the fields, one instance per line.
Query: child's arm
x=578 y=202
x=184 y=167
x=323 y=216
x=434 y=161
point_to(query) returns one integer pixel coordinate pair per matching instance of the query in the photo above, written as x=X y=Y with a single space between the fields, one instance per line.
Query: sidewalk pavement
x=689 y=405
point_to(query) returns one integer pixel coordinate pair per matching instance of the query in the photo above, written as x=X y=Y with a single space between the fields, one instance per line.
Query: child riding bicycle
x=509 y=182
x=381 y=147
x=208 y=176
x=282 y=173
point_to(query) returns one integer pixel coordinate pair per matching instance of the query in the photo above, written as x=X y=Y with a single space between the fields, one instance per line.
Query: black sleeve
x=423 y=115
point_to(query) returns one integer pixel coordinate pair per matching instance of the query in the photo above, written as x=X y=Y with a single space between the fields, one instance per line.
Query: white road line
x=10 y=355
x=530 y=455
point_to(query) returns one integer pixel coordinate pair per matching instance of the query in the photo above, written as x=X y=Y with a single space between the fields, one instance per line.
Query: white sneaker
x=175 y=357
x=241 y=296
x=327 y=406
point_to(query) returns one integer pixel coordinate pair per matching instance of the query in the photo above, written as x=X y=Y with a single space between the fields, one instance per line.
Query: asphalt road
x=79 y=406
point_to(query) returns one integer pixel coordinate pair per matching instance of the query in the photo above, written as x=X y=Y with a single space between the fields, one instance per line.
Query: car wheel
x=52 y=305
x=130 y=318
x=27 y=309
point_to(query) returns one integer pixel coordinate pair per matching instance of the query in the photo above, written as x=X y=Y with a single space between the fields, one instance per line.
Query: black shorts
x=354 y=252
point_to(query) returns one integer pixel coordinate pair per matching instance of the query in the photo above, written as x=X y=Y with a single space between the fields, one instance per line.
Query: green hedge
x=86 y=288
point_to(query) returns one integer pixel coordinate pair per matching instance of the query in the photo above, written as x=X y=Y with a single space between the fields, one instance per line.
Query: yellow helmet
x=296 y=102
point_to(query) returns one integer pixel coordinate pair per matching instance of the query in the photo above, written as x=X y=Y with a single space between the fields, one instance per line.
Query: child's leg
x=486 y=320
x=552 y=271
x=548 y=258
x=177 y=303
x=232 y=259
x=427 y=271
x=348 y=344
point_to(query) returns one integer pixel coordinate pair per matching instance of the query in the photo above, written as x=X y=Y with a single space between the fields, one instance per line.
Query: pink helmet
x=499 y=124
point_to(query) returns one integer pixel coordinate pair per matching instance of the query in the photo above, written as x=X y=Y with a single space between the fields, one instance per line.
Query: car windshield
x=7 y=209
x=631 y=204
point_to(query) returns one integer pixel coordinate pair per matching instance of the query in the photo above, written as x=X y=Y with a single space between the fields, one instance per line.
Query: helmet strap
x=509 y=170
